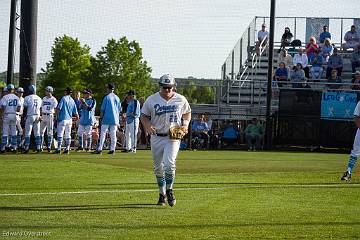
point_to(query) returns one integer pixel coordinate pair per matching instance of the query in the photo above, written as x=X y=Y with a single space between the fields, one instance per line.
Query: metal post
x=341 y=33
x=28 y=40
x=268 y=136
x=294 y=28
x=12 y=31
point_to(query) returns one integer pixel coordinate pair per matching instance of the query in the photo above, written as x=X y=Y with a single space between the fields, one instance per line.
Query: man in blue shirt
x=87 y=120
x=200 y=130
x=324 y=34
x=65 y=111
x=109 y=113
x=132 y=122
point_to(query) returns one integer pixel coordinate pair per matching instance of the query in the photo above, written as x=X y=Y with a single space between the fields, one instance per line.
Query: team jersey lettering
x=159 y=110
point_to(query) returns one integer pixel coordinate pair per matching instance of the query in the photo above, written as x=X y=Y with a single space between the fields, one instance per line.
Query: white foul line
x=188 y=189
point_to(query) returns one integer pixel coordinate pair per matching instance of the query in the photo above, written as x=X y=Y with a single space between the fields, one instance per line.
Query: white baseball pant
x=131 y=131
x=64 y=126
x=9 y=125
x=31 y=122
x=47 y=124
x=112 y=131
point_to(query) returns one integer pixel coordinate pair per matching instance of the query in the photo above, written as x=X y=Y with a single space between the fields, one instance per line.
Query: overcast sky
x=182 y=37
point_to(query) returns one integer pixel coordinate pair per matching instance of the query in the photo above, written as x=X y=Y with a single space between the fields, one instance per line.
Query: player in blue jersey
x=109 y=114
x=87 y=120
x=65 y=111
x=132 y=122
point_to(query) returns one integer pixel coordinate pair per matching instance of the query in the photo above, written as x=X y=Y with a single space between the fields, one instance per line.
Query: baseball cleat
x=49 y=150
x=162 y=200
x=96 y=152
x=111 y=152
x=170 y=197
x=66 y=151
x=57 y=152
x=2 y=151
x=38 y=151
x=79 y=149
x=346 y=176
x=26 y=151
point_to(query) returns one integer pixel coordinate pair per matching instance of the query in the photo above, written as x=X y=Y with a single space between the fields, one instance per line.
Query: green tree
x=69 y=66
x=197 y=94
x=120 y=62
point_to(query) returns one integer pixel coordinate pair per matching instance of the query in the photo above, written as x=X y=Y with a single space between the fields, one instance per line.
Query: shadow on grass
x=81 y=207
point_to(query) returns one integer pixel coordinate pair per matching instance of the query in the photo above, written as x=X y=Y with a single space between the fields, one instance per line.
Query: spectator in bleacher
x=281 y=74
x=286 y=58
x=352 y=38
x=325 y=34
x=355 y=59
x=298 y=78
x=327 y=49
x=335 y=62
x=355 y=82
x=262 y=34
x=311 y=46
x=334 y=78
x=300 y=57
x=230 y=134
x=286 y=39
x=253 y=134
x=316 y=61
x=200 y=129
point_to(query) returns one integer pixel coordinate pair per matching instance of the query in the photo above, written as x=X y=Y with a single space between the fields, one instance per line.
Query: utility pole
x=11 y=45
x=268 y=130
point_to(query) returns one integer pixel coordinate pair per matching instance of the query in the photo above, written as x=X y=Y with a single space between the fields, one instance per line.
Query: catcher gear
x=176 y=133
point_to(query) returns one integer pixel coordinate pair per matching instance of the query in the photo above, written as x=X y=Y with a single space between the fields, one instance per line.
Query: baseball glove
x=176 y=133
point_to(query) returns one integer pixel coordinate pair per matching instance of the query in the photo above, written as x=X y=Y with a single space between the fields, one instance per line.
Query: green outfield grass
x=220 y=195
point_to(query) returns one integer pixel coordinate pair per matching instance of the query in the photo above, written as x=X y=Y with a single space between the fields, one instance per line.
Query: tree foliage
x=197 y=94
x=69 y=65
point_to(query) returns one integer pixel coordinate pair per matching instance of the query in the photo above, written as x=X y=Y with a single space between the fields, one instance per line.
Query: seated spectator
x=286 y=58
x=334 y=78
x=262 y=35
x=325 y=34
x=200 y=129
x=281 y=74
x=298 y=78
x=253 y=134
x=327 y=49
x=231 y=134
x=300 y=57
x=352 y=38
x=316 y=60
x=355 y=59
x=311 y=46
x=356 y=81
x=285 y=39
x=335 y=62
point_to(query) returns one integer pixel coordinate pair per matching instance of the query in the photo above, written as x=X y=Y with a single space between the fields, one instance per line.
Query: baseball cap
x=5 y=89
x=49 y=89
x=68 y=90
x=110 y=86
x=131 y=92
x=167 y=80
x=20 y=90
x=10 y=86
x=87 y=91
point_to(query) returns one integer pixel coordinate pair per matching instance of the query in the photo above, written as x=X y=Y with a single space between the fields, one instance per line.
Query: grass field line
x=354 y=185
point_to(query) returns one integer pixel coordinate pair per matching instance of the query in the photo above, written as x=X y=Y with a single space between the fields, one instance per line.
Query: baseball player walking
x=65 y=111
x=9 y=106
x=356 y=147
x=132 y=122
x=19 y=93
x=87 y=120
x=49 y=104
x=161 y=111
x=109 y=113
x=32 y=103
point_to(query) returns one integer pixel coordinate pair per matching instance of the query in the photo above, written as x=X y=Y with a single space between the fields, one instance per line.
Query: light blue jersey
x=110 y=108
x=88 y=112
x=132 y=108
x=66 y=108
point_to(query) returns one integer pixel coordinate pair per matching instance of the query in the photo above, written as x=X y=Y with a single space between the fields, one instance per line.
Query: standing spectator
x=316 y=60
x=325 y=34
x=132 y=122
x=281 y=74
x=32 y=103
x=109 y=113
x=65 y=111
x=327 y=49
x=352 y=38
x=355 y=59
x=298 y=78
x=262 y=38
x=87 y=120
x=285 y=39
x=335 y=62
x=253 y=132
x=77 y=100
x=334 y=78
x=311 y=46
x=300 y=57
x=356 y=81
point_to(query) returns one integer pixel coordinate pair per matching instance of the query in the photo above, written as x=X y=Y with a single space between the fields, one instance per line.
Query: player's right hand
x=150 y=129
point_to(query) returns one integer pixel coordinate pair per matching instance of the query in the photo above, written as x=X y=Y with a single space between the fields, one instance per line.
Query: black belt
x=162 y=134
x=47 y=114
